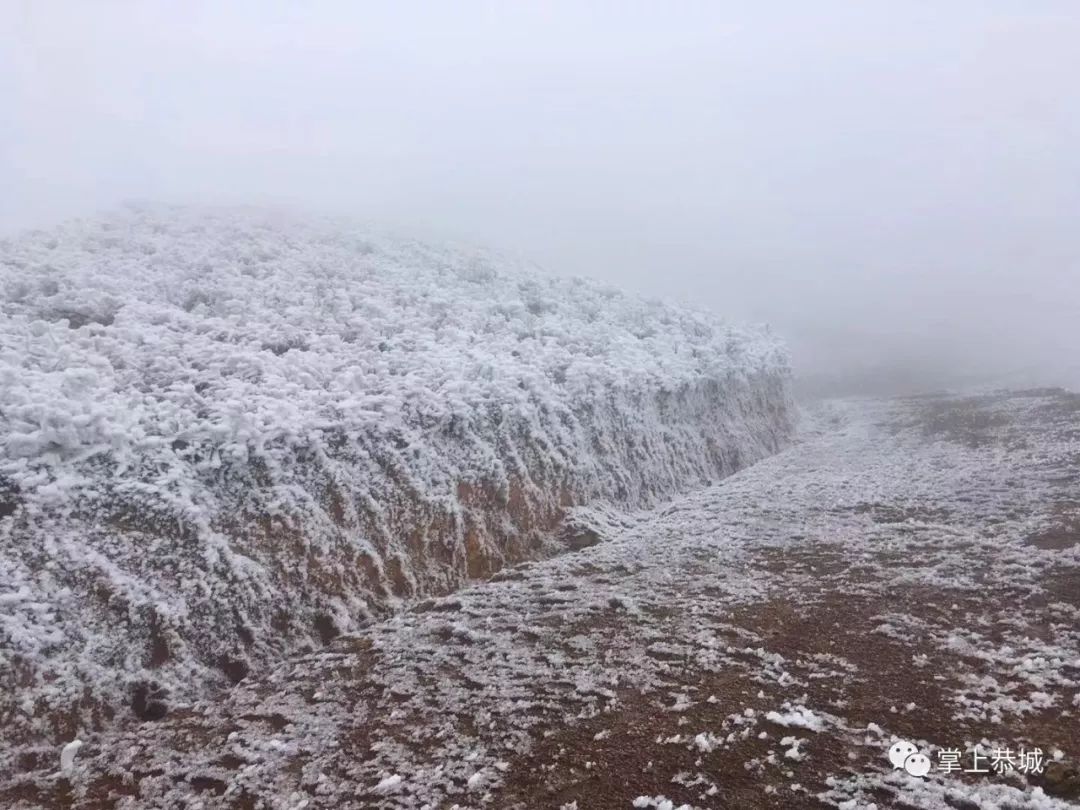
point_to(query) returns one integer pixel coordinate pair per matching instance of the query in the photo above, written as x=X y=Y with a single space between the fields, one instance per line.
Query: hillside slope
x=229 y=436
x=909 y=570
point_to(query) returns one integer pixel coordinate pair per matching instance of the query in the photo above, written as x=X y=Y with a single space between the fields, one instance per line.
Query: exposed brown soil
x=825 y=629
x=835 y=621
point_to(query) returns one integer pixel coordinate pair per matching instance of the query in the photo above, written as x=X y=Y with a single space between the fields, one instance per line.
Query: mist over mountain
x=552 y=406
x=891 y=187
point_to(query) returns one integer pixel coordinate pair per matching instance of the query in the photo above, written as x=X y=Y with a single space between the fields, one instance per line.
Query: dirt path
x=910 y=571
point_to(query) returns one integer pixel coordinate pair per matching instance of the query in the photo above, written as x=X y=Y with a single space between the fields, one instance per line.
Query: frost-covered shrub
x=229 y=434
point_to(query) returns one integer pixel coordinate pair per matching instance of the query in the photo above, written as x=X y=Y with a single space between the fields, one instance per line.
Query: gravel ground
x=908 y=572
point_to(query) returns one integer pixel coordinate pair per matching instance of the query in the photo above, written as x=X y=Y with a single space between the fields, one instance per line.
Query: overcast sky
x=884 y=182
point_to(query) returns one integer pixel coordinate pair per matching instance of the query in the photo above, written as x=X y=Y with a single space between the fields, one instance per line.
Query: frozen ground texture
x=910 y=569
x=228 y=436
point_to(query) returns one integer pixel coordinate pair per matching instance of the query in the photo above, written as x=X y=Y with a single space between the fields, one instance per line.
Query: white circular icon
x=899 y=752
x=917 y=765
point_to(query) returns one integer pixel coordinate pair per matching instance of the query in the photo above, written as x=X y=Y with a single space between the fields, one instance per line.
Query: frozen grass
x=229 y=436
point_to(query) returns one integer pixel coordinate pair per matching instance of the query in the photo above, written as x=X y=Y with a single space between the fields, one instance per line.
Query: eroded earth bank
x=910 y=569
x=228 y=436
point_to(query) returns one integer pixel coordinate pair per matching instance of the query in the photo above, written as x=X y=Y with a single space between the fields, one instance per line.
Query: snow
x=389 y=784
x=659 y=802
x=67 y=755
x=760 y=591
x=793 y=752
x=796 y=717
x=706 y=742
x=690 y=566
x=475 y=781
x=230 y=435
x=912 y=792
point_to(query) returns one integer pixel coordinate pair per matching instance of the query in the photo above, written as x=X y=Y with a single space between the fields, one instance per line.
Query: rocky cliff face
x=232 y=435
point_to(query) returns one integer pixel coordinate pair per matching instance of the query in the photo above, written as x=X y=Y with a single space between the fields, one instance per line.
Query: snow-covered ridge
x=228 y=434
x=240 y=327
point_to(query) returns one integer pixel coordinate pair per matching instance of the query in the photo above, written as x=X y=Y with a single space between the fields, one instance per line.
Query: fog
x=893 y=186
